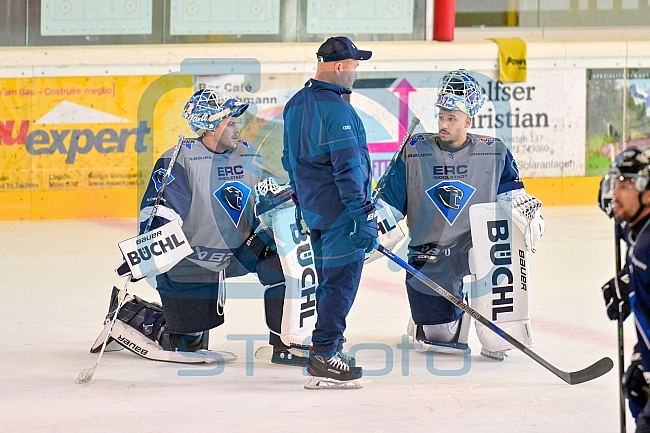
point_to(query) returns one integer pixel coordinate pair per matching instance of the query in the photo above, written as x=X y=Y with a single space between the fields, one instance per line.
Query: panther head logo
x=232 y=196
x=450 y=196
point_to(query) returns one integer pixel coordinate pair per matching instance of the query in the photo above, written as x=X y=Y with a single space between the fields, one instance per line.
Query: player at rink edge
x=209 y=192
x=627 y=186
x=437 y=181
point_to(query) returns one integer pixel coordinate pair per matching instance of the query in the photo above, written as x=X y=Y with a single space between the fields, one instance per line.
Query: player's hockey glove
x=616 y=296
x=634 y=383
x=365 y=232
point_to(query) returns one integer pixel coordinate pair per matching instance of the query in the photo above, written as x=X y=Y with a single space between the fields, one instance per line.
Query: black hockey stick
x=621 y=344
x=86 y=374
x=572 y=378
x=384 y=178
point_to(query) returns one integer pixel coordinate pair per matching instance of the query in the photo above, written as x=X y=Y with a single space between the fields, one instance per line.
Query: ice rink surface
x=55 y=281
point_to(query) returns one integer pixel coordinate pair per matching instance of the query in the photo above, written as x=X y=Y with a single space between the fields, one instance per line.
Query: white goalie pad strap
x=500 y=283
x=297 y=260
x=163 y=212
x=390 y=233
x=526 y=215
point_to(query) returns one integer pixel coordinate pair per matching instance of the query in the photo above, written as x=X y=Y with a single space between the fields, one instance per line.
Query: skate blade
x=264 y=352
x=444 y=348
x=488 y=355
x=315 y=382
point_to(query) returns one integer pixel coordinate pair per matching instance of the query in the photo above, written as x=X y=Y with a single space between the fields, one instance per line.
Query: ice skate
x=459 y=346
x=332 y=373
x=497 y=355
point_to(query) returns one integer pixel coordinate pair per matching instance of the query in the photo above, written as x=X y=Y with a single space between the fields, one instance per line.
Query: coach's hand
x=364 y=235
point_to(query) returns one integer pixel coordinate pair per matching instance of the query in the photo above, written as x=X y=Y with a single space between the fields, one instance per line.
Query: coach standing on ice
x=326 y=156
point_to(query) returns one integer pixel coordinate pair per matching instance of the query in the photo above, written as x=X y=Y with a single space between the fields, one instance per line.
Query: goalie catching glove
x=526 y=216
x=615 y=292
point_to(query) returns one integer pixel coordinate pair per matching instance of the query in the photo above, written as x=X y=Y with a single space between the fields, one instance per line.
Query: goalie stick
x=87 y=374
x=572 y=378
x=384 y=178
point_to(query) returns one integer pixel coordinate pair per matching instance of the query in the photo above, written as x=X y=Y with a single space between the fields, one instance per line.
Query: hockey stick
x=621 y=344
x=572 y=378
x=384 y=178
x=87 y=374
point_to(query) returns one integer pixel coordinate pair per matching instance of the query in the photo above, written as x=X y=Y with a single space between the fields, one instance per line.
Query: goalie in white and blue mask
x=435 y=182
x=210 y=192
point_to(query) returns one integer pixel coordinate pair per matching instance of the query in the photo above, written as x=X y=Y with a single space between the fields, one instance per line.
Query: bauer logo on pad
x=450 y=197
x=232 y=196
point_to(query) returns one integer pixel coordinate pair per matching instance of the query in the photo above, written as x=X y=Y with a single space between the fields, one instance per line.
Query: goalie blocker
x=500 y=278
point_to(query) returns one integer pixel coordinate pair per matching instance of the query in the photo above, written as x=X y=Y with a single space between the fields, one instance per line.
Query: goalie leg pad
x=500 y=283
x=298 y=313
x=141 y=328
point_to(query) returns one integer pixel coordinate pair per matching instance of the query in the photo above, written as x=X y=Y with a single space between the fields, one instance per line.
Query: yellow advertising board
x=69 y=146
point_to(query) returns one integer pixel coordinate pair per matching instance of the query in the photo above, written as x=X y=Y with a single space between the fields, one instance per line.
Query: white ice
x=55 y=281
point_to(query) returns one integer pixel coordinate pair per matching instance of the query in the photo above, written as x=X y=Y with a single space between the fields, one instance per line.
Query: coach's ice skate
x=332 y=373
x=497 y=355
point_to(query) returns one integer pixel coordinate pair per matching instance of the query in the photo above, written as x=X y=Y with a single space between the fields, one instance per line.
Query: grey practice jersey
x=211 y=195
x=435 y=188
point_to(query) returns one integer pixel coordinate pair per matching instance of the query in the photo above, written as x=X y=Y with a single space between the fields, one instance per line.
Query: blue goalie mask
x=458 y=90
x=207 y=107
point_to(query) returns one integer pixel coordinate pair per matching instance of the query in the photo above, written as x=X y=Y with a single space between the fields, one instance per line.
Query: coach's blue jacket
x=326 y=155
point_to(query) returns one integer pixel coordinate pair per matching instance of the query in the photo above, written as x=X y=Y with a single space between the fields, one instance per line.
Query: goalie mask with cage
x=458 y=90
x=207 y=107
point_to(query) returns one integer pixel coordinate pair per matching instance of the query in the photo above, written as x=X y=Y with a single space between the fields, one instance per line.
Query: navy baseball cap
x=340 y=48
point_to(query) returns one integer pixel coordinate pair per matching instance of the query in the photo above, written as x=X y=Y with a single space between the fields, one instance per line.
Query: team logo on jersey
x=233 y=197
x=158 y=176
x=187 y=142
x=450 y=197
x=414 y=139
x=489 y=141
